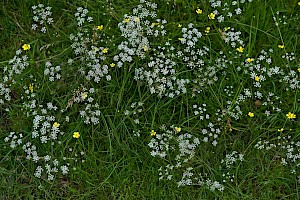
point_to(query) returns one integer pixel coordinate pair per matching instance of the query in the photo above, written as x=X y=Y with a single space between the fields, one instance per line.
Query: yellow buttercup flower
x=100 y=27
x=112 y=65
x=30 y=88
x=104 y=50
x=256 y=78
x=291 y=115
x=240 y=49
x=179 y=25
x=299 y=69
x=152 y=133
x=249 y=60
x=26 y=47
x=126 y=20
x=280 y=46
x=251 y=114
x=56 y=125
x=207 y=30
x=199 y=11
x=177 y=129
x=211 y=16
x=76 y=135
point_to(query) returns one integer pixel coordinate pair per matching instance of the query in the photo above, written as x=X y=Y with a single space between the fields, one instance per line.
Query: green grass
x=117 y=164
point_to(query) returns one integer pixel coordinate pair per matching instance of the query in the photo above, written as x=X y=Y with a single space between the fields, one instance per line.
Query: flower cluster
x=42 y=16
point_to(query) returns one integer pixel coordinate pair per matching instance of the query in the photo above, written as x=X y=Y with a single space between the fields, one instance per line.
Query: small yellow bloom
x=240 y=49
x=299 y=3
x=199 y=11
x=100 y=27
x=280 y=130
x=227 y=28
x=207 y=30
x=211 y=16
x=145 y=48
x=104 y=50
x=126 y=20
x=180 y=39
x=26 y=47
x=152 y=133
x=76 y=135
x=177 y=129
x=251 y=114
x=291 y=115
x=299 y=69
x=179 y=25
x=112 y=65
x=31 y=88
x=249 y=60
x=84 y=95
x=56 y=125
x=256 y=78
x=280 y=46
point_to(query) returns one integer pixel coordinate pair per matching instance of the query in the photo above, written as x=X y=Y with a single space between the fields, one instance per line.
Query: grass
x=118 y=165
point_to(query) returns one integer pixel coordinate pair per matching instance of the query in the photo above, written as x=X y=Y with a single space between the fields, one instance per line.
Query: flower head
x=104 y=50
x=179 y=25
x=207 y=30
x=281 y=46
x=26 y=47
x=152 y=133
x=199 y=11
x=249 y=60
x=251 y=114
x=256 y=78
x=240 y=49
x=177 y=129
x=76 y=135
x=112 y=65
x=211 y=16
x=126 y=20
x=100 y=27
x=30 y=88
x=291 y=115
x=56 y=125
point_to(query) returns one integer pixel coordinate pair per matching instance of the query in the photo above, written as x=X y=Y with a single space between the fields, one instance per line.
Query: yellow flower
x=199 y=11
x=207 y=30
x=104 y=50
x=145 y=48
x=84 y=95
x=127 y=20
x=31 y=88
x=299 y=3
x=112 y=65
x=76 y=135
x=56 y=125
x=280 y=46
x=152 y=133
x=291 y=115
x=299 y=69
x=177 y=129
x=249 y=60
x=100 y=27
x=26 y=47
x=280 y=130
x=240 y=49
x=211 y=16
x=179 y=25
x=227 y=28
x=180 y=39
x=251 y=114
x=256 y=78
